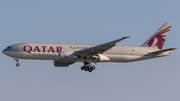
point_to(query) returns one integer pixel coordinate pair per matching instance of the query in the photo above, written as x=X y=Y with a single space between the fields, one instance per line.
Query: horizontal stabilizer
x=161 y=51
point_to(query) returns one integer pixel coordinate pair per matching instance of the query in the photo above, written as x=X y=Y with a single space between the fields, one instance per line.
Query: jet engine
x=67 y=57
x=60 y=64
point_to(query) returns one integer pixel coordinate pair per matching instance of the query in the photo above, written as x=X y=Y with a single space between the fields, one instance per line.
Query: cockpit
x=8 y=47
x=10 y=50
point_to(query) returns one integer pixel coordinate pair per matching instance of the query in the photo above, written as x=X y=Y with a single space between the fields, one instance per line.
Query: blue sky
x=89 y=22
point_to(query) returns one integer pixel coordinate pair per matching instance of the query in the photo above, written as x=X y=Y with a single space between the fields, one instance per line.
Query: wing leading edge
x=99 y=49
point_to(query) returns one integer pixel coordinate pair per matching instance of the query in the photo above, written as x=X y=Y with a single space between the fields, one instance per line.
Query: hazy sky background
x=89 y=22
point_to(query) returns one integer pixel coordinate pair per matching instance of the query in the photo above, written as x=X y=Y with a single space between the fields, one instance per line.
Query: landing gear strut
x=88 y=67
x=17 y=60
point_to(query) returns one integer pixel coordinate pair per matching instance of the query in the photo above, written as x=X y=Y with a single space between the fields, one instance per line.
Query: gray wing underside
x=99 y=49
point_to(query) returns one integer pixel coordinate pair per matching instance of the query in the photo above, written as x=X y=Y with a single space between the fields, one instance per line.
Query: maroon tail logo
x=158 y=39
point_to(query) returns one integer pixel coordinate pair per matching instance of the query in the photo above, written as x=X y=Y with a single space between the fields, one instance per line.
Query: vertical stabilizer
x=158 y=39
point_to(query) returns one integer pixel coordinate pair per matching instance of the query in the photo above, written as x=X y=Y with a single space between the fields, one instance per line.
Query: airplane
x=64 y=55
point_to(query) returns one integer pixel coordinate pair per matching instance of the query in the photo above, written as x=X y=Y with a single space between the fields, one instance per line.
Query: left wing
x=99 y=49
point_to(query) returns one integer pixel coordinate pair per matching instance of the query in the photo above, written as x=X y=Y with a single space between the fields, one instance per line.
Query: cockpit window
x=9 y=47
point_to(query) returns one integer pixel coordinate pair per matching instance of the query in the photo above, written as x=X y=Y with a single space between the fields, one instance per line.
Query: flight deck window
x=9 y=47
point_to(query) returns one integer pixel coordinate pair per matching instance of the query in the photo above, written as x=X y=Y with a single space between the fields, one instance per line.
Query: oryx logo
x=159 y=38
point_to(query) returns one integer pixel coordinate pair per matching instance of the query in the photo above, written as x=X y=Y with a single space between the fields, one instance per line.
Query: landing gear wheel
x=86 y=69
x=82 y=68
x=90 y=70
x=93 y=67
x=17 y=64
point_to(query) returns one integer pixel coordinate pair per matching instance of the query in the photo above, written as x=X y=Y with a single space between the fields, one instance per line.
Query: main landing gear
x=17 y=60
x=88 y=67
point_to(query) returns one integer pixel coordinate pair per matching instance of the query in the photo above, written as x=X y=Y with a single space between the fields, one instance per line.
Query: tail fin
x=158 y=39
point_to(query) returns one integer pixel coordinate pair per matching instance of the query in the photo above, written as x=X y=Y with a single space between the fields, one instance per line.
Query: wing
x=161 y=51
x=99 y=49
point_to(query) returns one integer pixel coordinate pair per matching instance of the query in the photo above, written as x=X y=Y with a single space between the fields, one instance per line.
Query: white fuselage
x=43 y=51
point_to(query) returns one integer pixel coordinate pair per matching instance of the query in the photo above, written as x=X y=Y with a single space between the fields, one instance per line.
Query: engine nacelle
x=59 y=64
x=67 y=57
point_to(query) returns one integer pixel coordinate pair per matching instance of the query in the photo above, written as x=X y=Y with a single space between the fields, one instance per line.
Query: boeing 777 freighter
x=64 y=55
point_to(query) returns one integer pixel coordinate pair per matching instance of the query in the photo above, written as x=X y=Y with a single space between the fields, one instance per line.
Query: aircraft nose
x=4 y=51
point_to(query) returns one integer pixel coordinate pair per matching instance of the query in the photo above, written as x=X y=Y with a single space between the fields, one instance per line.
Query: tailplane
x=158 y=39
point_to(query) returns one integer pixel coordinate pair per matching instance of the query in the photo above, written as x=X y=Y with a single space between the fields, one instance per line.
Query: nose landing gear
x=17 y=64
x=17 y=60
